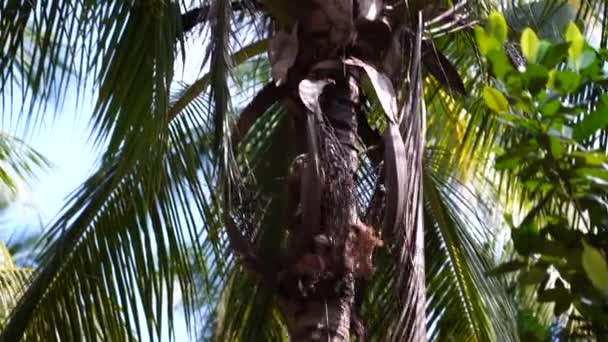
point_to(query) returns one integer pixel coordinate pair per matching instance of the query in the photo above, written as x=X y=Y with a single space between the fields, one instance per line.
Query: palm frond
x=50 y=42
x=463 y=302
x=125 y=238
x=12 y=282
x=132 y=105
x=247 y=309
x=410 y=277
x=191 y=92
x=398 y=292
x=219 y=58
x=18 y=161
x=130 y=233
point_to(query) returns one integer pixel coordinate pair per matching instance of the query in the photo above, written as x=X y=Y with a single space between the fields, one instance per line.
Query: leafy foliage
x=561 y=240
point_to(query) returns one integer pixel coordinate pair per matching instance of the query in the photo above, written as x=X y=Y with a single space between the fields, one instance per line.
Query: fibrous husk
x=366 y=241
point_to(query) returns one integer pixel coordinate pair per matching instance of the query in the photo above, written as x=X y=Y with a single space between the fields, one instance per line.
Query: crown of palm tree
x=186 y=181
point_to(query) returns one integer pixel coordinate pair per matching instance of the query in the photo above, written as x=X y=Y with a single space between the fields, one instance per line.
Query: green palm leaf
x=479 y=308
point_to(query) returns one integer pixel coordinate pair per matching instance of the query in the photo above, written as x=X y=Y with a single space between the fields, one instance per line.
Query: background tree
x=180 y=188
x=554 y=151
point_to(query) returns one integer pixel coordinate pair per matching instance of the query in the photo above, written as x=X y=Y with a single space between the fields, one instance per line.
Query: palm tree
x=12 y=280
x=268 y=221
x=18 y=164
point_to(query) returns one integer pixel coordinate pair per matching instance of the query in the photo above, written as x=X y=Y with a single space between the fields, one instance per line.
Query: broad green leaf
x=552 y=251
x=535 y=78
x=514 y=83
x=603 y=53
x=596 y=207
x=543 y=48
x=559 y=295
x=594 y=121
x=508 y=161
x=575 y=38
x=550 y=108
x=591 y=158
x=485 y=41
x=529 y=45
x=553 y=295
x=560 y=130
x=594 y=264
x=507 y=267
x=598 y=174
x=561 y=232
x=527 y=239
x=557 y=150
x=530 y=328
x=565 y=82
x=500 y=63
x=494 y=99
x=555 y=54
x=520 y=120
x=533 y=276
x=587 y=59
x=497 y=27
x=551 y=79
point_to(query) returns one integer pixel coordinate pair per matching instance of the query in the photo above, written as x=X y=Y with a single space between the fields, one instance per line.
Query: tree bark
x=322 y=319
x=317 y=293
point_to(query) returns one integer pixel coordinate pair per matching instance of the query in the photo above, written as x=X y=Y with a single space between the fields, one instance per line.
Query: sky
x=63 y=141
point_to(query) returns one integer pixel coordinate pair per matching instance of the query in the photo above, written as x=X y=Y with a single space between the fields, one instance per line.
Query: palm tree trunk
x=317 y=294
x=322 y=319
